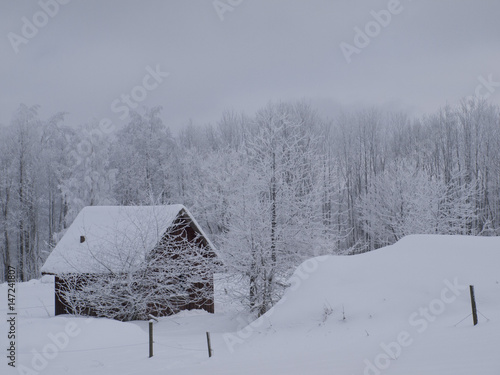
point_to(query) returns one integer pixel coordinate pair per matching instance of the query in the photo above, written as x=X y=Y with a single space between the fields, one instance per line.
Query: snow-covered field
x=398 y=310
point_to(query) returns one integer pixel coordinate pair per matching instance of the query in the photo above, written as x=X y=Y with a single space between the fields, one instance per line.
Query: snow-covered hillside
x=402 y=309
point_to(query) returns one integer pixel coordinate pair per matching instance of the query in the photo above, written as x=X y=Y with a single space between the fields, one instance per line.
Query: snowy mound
x=402 y=309
x=397 y=278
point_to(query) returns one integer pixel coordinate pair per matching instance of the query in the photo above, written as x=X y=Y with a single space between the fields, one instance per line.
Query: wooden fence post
x=473 y=303
x=150 y=338
x=209 y=347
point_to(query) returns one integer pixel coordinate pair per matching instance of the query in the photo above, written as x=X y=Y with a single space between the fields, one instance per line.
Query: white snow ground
x=404 y=308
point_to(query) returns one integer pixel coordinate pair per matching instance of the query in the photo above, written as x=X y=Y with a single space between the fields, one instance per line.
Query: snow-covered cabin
x=105 y=240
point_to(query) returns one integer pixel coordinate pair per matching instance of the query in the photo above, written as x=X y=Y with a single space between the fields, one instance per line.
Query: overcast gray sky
x=88 y=53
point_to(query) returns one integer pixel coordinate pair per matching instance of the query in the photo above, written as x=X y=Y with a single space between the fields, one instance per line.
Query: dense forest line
x=271 y=189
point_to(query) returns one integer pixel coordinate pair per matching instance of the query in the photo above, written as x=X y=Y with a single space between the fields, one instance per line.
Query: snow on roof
x=115 y=238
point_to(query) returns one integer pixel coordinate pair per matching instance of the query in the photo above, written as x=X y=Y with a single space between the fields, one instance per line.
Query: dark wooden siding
x=61 y=308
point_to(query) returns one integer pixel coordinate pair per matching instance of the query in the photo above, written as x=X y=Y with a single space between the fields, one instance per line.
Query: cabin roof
x=113 y=238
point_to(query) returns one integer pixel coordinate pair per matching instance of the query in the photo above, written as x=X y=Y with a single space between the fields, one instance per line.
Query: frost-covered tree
x=405 y=200
x=7 y=196
x=275 y=217
x=128 y=284
x=87 y=178
x=140 y=157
